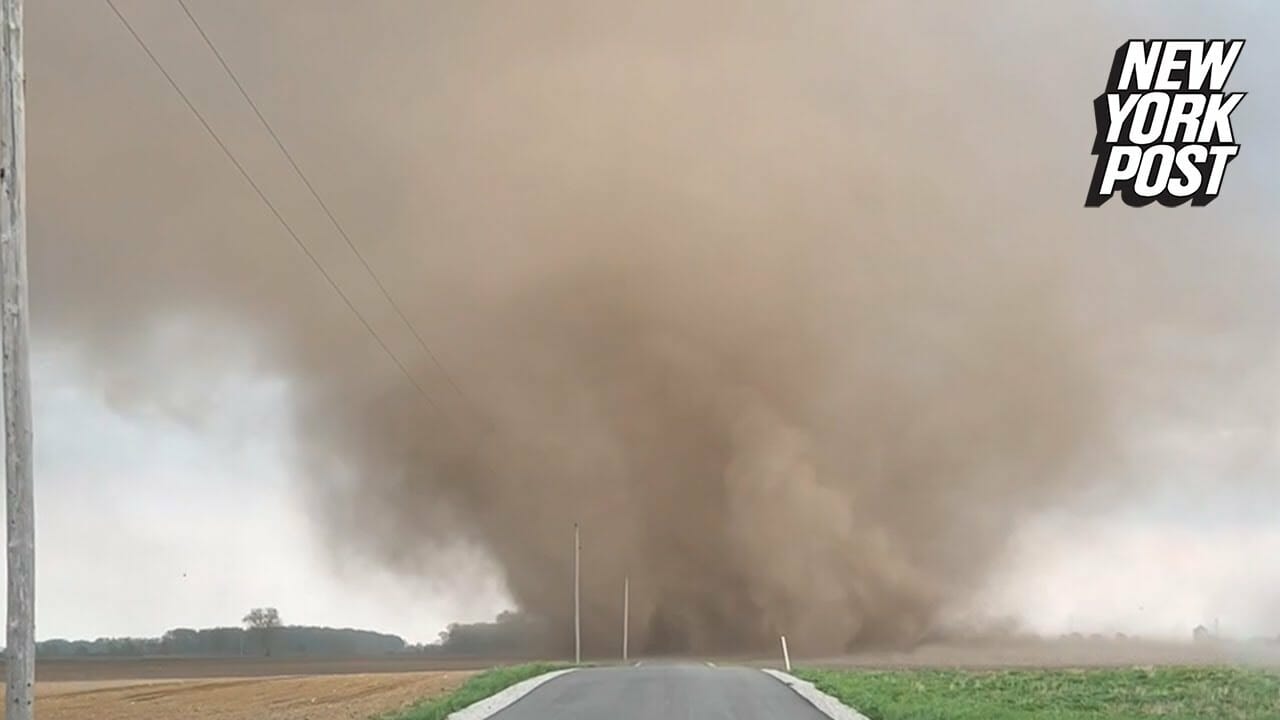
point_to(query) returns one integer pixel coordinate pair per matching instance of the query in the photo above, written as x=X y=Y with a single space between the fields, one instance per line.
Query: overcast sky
x=147 y=523
x=149 y=519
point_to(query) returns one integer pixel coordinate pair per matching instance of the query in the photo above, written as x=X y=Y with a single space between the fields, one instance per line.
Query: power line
x=266 y=201
x=323 y=205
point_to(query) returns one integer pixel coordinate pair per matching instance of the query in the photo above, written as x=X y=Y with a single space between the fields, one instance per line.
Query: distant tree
x=264 y=622
x=180 y=641
x=261 y=618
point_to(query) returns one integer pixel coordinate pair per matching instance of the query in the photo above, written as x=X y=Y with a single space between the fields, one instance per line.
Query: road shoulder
x=825 y=704
x=503 y=699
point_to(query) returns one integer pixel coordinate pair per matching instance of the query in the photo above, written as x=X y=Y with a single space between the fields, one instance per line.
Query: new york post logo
x=1164 y=123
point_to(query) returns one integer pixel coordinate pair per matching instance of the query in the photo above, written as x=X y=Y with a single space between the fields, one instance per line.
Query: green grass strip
x=1172 y=693
x=477 y=688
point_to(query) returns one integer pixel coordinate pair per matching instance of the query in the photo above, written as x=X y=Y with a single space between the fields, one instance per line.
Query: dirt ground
x=185 y=668
x=315 y=697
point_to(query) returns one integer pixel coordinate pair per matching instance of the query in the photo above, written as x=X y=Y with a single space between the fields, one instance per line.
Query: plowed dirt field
x=316 y=697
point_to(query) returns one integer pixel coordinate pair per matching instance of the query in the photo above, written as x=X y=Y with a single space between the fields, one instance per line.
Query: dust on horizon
x=796 y=328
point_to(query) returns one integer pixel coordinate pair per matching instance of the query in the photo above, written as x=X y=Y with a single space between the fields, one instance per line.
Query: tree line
x=291 y=640
x=509 y=635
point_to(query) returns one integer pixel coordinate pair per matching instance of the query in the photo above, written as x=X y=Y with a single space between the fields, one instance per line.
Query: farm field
x=1169 y=693
x=314 y=697
x=1006 y=679
x=184 y=668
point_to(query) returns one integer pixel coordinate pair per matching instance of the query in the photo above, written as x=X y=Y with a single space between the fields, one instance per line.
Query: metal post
x=626 y=613
x=20 y=641
x=786 y=656
x=577 y=597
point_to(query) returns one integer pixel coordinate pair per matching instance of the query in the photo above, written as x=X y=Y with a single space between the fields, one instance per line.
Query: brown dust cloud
x=793 y=307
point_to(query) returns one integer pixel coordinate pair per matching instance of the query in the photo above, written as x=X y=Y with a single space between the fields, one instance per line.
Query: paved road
x=662 y=692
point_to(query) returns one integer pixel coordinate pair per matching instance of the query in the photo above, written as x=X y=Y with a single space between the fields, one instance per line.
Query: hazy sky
x=146 y=523
x=155 y=515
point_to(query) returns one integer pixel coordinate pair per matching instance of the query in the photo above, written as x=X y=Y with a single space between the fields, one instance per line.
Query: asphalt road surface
x=662 y=692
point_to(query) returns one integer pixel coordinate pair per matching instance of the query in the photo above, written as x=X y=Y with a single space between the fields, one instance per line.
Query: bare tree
x=264 y=621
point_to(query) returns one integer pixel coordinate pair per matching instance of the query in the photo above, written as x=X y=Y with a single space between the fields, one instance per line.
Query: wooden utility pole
x=626 y=613
x=20 y=644
x=577 y=597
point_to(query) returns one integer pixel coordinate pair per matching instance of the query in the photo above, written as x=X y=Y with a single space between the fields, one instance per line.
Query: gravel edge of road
x=492 y=705
x=825 y=704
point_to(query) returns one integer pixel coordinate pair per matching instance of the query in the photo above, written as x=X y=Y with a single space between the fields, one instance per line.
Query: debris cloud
x=792 y=308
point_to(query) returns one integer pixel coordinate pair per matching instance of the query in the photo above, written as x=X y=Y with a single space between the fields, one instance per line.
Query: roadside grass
x=1172 y=693
x=476 y=688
